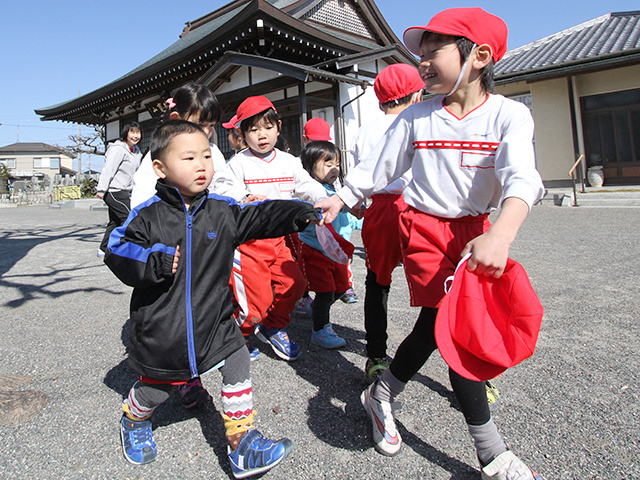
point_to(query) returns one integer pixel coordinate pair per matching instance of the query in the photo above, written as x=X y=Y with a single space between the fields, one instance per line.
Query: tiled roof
x=608 y=35
x=30 y=147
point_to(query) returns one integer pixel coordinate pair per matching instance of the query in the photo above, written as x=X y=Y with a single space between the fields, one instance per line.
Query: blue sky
x=52 y=50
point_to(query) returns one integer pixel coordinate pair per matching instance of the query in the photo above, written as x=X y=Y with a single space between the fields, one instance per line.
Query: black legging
x=375 y=316
x=119 y=204
x=320 y=308
x=413 y=353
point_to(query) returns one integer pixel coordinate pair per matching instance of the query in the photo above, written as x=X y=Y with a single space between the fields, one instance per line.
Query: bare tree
x=90 y=144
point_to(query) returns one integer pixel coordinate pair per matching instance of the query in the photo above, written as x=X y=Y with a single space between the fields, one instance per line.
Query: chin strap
x=464 y=68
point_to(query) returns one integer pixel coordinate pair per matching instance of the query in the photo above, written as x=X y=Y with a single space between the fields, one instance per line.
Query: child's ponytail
x=194 y=99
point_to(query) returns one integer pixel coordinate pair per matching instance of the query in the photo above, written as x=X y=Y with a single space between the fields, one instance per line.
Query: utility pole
x=78 y=181
x=78 y=177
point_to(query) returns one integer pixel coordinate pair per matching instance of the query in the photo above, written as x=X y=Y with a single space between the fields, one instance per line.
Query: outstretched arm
x=330 y=208
x=491 y=250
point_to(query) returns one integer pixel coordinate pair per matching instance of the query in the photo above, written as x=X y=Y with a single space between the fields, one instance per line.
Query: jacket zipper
x=191 y=348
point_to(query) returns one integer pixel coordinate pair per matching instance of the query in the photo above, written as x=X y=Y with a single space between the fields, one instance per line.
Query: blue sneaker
x=327 y=338
x=254 y=353
x=256 y=454
x=280 y=343
x=137 y=441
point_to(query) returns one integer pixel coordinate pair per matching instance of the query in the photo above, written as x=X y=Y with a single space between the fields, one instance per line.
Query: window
x=8 y=162
x=40 y=162
x=54 y=163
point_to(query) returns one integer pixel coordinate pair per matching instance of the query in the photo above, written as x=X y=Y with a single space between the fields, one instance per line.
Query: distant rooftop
x=31 y=147
x=609 y=36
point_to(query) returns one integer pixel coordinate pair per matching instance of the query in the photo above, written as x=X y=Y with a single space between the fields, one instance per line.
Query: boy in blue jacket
x=176 y=250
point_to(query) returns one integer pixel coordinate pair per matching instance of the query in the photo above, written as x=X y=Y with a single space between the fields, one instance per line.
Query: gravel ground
x=571 y=411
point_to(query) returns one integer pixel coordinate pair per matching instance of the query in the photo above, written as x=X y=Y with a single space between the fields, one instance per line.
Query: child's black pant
x=414 y=352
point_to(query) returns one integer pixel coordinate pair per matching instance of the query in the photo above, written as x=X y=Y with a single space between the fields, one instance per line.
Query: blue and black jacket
x=182 y=324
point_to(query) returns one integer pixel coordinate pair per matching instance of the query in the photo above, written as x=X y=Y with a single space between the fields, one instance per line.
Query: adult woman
x=121 y=161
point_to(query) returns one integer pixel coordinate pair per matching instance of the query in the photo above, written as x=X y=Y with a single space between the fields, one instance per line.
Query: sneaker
x=349 y=296
x=327 y=338
x=374 y=368
x=507 y=466
x=493 y=396
x=256 y=454
x=385 y=435
x=99 y=253
x=193 y=394
x=137 y=441
x=254 y=353
x=303 y=305
x=279 y=341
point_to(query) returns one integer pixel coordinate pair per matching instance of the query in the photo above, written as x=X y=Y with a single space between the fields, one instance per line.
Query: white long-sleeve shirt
x=280 y=175
x=460 y=166
x=365 y=140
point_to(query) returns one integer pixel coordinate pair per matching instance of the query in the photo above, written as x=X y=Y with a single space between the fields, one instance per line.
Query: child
x=236 y=143
x=265 y=305
x=195 y=103
x=397 y=87
x=469 y=152
x=121 y=161
x=181 y=307
x=327 y=277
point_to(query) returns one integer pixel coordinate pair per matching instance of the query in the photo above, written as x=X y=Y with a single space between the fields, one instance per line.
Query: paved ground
x=571 y=411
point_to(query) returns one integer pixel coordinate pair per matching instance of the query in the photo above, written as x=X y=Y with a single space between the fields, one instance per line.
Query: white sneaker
x=507 y=466
x=385 y=435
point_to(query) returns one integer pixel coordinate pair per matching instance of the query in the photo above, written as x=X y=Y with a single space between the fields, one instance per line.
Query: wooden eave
x=192 y=62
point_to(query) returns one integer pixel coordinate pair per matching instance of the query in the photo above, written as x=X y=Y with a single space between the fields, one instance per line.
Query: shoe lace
x=141 y=436
x=517 y=471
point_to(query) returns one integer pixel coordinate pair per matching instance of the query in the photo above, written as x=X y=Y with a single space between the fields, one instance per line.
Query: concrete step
x=89 y=203
x=603 y=197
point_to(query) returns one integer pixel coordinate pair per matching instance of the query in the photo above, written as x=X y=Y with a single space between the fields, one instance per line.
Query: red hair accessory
x=170 y=103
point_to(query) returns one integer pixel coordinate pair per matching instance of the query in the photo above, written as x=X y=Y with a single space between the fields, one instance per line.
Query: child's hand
x=489 y=255
x=174 y=268
x=330 y=208
x=254 y=197
x=491 y=250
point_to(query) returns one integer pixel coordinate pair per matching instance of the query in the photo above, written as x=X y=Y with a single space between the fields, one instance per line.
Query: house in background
x=583 y=86
x=27 y=160
x=311 y=58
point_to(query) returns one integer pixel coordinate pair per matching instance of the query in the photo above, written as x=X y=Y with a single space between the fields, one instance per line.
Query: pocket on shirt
x=479 y=160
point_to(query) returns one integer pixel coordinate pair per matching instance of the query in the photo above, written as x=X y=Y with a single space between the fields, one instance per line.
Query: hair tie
x=170 y=103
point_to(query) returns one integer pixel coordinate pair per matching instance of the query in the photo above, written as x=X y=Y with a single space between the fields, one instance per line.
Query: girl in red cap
x=469 y=152
x=267 y=280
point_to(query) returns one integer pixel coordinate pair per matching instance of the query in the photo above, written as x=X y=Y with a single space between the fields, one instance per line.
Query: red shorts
x=323 y=274
x=431 y=248
x=381 y=237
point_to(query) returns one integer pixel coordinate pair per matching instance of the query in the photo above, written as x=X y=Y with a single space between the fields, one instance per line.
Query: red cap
x=473 y=23
x=485 y=324
x=252 y=106
x=231 y=124
x=397 y=81
x=317 y=129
